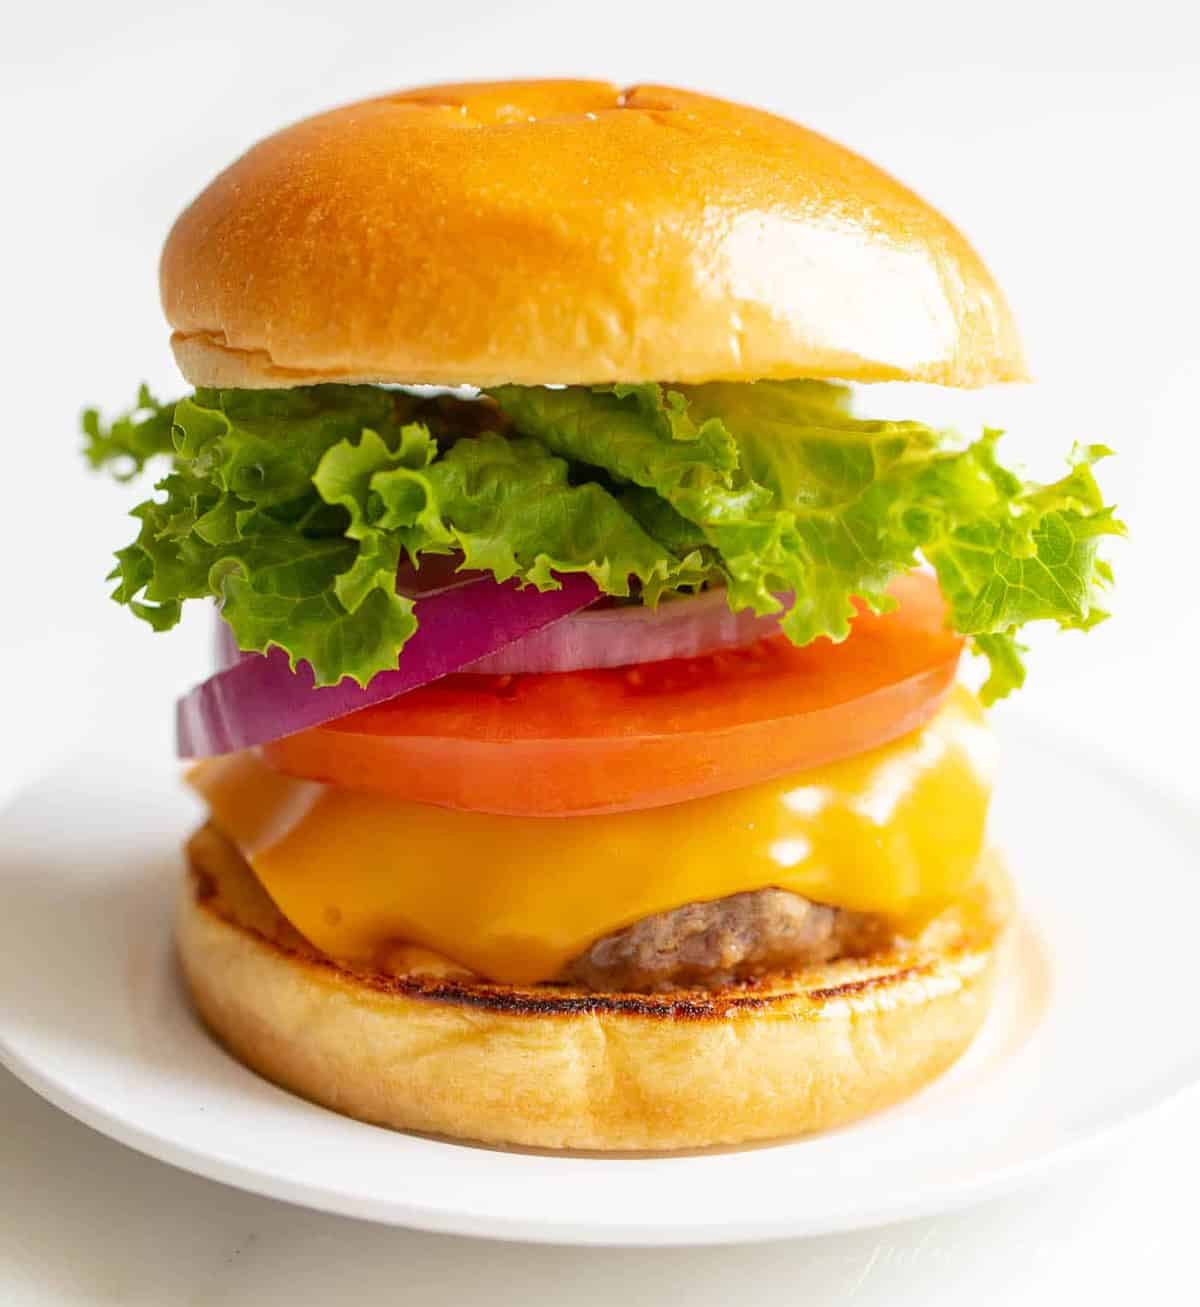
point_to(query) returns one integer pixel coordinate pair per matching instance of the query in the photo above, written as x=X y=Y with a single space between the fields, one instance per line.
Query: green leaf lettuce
x=294 y=509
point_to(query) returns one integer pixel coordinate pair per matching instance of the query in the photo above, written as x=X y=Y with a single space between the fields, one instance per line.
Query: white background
x=1065 y=139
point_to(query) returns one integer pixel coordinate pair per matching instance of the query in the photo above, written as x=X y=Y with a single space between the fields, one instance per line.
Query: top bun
x=570 y=232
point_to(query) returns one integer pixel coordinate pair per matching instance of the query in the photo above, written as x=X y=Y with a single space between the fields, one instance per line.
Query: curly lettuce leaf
x=646 y=438
x=128 y=443
x=831 y=507
x=294 y=509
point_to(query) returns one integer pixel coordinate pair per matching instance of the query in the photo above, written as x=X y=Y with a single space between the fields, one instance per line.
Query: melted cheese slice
x=896 y=831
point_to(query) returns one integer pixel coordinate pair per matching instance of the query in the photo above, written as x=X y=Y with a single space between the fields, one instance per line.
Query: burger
x=586 y=764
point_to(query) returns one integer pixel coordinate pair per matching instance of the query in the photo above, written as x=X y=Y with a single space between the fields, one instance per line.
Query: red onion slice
x=259 y=698
x=623 y=636
x=225 y=646
x=432 y=574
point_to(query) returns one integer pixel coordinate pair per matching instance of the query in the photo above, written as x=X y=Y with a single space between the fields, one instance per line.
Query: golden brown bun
x=562 y=231
x=556 y=1068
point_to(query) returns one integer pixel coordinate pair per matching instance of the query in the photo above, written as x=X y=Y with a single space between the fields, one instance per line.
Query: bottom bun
x=551 y=1067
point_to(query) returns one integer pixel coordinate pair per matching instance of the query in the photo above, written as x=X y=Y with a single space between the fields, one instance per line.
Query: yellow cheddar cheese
x=897 y=831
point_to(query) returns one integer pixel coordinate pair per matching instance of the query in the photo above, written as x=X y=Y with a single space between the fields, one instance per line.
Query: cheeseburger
x=586 y=763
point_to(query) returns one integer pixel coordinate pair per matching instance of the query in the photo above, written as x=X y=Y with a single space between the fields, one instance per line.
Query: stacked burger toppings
x=587 y=700
x=552 y=603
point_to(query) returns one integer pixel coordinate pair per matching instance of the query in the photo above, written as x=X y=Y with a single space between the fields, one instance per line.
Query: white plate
x=1083 y=1038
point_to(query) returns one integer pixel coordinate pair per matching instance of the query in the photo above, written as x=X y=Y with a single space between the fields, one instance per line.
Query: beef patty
x=706 y=945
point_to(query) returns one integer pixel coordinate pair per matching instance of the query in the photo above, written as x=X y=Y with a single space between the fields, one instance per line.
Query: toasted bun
x=554 y=1068
x=561 y=231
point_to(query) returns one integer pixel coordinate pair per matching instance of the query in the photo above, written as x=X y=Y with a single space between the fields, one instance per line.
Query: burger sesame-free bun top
x=571 y=232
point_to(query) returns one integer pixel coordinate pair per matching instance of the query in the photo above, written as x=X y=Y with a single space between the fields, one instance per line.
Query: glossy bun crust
x=550 y=1067
x=565 y=231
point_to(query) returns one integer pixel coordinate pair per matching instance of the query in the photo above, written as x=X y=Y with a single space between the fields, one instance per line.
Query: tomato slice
x=615 y=739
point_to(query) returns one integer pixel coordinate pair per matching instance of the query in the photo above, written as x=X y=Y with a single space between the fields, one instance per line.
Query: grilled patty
x=740 y=937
